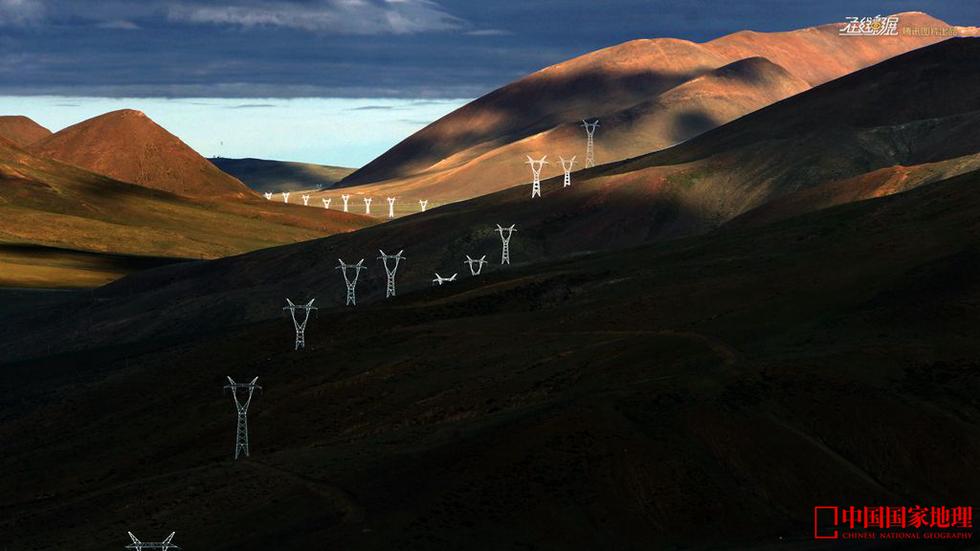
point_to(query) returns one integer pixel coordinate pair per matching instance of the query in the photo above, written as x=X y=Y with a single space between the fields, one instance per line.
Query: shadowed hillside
x=274 y=176
x=701 y=392
x=692 y=348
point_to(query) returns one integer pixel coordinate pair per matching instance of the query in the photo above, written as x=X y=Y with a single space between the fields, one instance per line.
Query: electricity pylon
x=268 y=196
x=351 y=283
x=306 y=200
x=345 y=198
x=390 y=270
x=589 y=145
x=476 y=264
x=326 y=202
x=285 y=197
x=164 y=545
x=300 y=325
x=566 y=166
x=391 y=207
x=536 y=166
x=439 y=280
x=241 y=435
x=505 y=256
x=423 y=204
x=367 y=205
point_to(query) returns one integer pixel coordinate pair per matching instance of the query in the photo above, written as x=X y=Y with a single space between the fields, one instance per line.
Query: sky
x=106 y=53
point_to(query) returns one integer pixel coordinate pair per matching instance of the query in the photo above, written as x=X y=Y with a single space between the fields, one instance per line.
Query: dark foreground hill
x=707 y=391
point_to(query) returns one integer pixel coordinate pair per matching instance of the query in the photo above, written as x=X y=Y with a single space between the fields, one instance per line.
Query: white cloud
x=20 y=12
x=355 y=17
x=489 y=32
x=121 y=24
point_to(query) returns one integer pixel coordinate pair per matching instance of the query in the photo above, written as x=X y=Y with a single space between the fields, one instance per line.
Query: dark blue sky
x=360 y=48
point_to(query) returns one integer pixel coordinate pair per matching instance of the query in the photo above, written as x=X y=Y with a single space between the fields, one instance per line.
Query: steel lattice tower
x=351 y=283
x=241 y=435
x=326 y=202
x=477 y=262
x=306 y=200
x=391 y=207
x=589 y=146
x=164 y=545
x=439 y=280
x=505 y=256
x=300 y=325
x=367 y=205
x=390 y=270
x=536 y=166
x=345 y=198
x=566 y=166
x=285 y=197
x=423 y=204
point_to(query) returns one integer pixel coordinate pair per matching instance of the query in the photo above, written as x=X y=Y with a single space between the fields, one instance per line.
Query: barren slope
x=480 y=147
x=126 y=145
x=22 y=130
x=49 y=209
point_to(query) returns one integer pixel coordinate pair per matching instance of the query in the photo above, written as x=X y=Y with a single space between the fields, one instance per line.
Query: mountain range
x=745 y=170
x=766 y=302
x=704 y=391
x=651 y=93
x=117 y=193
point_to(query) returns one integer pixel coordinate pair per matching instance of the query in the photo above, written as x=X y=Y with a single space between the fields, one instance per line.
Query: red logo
x=831 y=522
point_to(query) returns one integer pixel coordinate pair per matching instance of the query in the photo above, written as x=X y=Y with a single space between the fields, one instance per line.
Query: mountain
x=126 y=145
x=62 y=226
x=22 y=130
x=853 y=127
x=275 y=176
x=697 y=393
x=612 y=388
x=466 y=152
x=865 y=135
x=686 y=110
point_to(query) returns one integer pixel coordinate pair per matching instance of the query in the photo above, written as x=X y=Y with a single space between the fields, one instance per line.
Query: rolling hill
x=702 y=392
x=263 y=175
x=692 y=349
x=821 y=136
x=688 y=109
x=612 y=389
x=127 y=145
x=466 y=153
x=61 y=226
x=22 y=130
